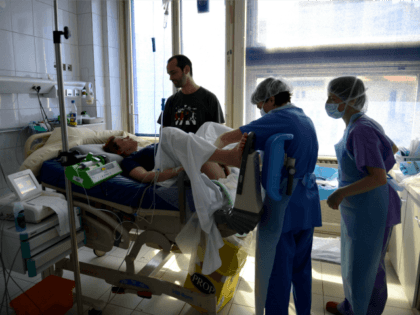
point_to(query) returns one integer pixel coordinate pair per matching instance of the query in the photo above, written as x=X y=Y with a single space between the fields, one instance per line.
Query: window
x=204 y=46
x=330 y=24
x=203 y=42
x=311 y=42
x=151 y=82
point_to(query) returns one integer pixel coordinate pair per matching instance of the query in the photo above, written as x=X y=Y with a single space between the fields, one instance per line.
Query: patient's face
x=126 y=145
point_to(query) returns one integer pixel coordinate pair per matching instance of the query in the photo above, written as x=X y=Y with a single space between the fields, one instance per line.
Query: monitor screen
x=25 y=184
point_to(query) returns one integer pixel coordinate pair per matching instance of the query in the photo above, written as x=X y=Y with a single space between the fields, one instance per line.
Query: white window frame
x=234 y=61
x=406 y=64
x=237 y=73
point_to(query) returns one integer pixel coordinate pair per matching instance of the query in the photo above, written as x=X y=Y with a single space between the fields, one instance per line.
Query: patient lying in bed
x=140 y=165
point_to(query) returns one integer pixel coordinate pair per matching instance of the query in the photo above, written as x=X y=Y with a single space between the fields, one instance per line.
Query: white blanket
x=192 y=151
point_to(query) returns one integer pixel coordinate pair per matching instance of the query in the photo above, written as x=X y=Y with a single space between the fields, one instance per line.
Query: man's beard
x=180 y=83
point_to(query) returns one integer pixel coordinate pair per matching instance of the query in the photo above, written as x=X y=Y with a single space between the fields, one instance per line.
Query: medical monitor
x=25 y=185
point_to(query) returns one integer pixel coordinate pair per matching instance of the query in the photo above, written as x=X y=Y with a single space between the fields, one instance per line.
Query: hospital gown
x=366 y=219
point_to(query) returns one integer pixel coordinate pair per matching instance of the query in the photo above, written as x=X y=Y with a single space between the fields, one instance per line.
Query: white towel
x=60 y=207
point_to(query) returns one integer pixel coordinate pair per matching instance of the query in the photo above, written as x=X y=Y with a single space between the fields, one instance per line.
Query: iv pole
x=63 y=122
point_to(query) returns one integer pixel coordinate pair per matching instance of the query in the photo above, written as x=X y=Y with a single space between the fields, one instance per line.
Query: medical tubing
x=116 y=239
x=138 y=228
x=1 y=257
x=165 y=14
x=4 y=272
x=6 y=292
x=10 y=272
x=4 y=176
x=128 y=251
x=154 y=186
x=154 y=101
x=157 y=173
x=141 y=201
x=87 y=197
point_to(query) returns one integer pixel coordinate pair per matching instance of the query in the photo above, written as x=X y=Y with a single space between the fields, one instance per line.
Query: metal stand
x=74 y=247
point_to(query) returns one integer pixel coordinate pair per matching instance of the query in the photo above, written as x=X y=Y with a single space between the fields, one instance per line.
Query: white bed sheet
x=192 y=151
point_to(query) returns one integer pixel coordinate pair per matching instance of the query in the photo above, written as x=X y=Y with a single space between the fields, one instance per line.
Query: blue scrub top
x=303 y=211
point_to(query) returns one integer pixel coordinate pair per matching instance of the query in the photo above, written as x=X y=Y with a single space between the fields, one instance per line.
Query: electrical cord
x=6 y=294
x=157 y=172
x=155 y=180
x=5 y=179
x=9 y=277
x=6 y=291
x=128 y=251
x=38 y=88
x=121 y=222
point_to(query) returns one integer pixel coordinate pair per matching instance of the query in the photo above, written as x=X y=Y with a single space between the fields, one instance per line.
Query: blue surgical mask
x=332 y=110
x=262 y=111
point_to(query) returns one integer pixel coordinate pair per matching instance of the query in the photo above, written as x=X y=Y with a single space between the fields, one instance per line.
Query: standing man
x=192 y=105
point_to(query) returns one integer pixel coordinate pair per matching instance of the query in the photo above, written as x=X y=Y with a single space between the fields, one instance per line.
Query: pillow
x=73 y=134
x=96 y=149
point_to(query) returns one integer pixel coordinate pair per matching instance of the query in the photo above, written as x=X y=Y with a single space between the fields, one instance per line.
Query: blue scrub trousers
x=380 y=292
x=292 y=264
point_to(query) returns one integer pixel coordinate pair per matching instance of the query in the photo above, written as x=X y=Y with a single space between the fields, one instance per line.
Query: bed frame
x=160 y=233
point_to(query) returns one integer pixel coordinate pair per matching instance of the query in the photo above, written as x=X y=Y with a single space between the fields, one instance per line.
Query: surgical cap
x=349 y=88
x=268 y=88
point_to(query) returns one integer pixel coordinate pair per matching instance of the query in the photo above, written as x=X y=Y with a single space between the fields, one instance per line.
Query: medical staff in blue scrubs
x=285 y=233
x=369 y=206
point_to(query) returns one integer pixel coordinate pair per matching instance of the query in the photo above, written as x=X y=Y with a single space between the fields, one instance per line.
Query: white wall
x=27 y=50
x=99 y=56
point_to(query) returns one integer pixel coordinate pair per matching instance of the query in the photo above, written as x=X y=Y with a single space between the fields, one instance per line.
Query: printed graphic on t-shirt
x=186 y=116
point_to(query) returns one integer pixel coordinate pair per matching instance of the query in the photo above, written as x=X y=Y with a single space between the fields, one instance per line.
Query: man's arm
x=141 y=175
x=228 y=138
x=165 y=118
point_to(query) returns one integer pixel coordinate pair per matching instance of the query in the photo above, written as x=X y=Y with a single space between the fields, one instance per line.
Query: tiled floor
x=327 y=286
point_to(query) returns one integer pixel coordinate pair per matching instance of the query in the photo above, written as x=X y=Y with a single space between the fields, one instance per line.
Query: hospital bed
x=130 y=197
x=145 y=207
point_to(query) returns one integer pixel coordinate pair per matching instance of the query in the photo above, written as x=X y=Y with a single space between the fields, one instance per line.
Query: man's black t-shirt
x=190 y=112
